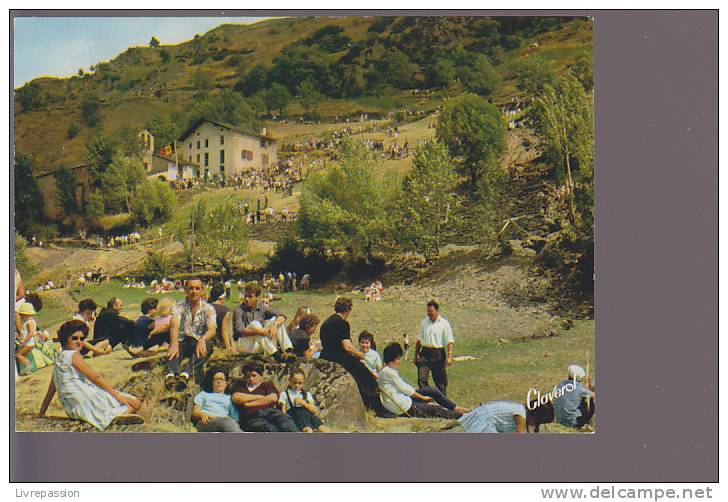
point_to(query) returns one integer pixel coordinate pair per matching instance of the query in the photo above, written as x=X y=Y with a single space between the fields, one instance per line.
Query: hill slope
x=145 y=83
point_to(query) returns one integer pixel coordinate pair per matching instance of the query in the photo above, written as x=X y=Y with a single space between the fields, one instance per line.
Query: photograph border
x=656 y=302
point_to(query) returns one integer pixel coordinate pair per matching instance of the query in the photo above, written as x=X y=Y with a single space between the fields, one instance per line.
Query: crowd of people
x=280 y=177
x=187 y=332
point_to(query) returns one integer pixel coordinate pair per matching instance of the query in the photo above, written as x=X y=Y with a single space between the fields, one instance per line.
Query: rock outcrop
x=334 y=389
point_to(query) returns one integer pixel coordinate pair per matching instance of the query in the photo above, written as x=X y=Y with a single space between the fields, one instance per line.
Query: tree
x=253 y=81
x=80 y=72
x=399 y=69
x=164 y=129
x=348 y=206
x=533 y=74
x=308 y=96
x=28 y=199
x=155 y=265
x=30 y=97
x=95 y=206
x=188 y=229
x=119 y=182
x=564 y=118
x=479 y=76
x=441 y=73
x=100 y=152
x=298 y=63
x=228 y=106
x=473 y=131
x=154 y=43
x=153 y=201
x=276 y=97
x=90 y=110
x=66 y=191
x=223 y=237
x=164 y=56
x=428 y=209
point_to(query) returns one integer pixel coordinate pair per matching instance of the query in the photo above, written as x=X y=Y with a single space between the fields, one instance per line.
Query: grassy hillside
x=143 y=82
x=509 y=348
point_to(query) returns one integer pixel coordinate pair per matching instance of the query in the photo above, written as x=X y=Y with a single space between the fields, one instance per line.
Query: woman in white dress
x=84 y=394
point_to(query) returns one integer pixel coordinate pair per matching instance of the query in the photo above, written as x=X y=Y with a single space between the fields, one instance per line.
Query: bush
x=90 y=110
x=30 y=97
x=22 y=263
x=291 y=255
x=73 y=130
x=155 y=266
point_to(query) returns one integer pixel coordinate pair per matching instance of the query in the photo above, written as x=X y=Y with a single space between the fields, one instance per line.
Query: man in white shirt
x=434 y=348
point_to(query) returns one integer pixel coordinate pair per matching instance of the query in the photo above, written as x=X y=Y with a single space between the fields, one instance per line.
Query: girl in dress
x=84 y=394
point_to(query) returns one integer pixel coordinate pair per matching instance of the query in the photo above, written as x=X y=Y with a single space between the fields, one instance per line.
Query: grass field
x=507 y=362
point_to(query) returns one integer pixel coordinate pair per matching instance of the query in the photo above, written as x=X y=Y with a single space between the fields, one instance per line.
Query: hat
x=576 y=372
x=26 y=309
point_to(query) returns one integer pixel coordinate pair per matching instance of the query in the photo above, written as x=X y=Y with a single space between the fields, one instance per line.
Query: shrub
x=73 y=130
x=155 y=265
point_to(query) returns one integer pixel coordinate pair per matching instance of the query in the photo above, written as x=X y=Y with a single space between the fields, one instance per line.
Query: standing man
x=434 y=348
x=191 y=331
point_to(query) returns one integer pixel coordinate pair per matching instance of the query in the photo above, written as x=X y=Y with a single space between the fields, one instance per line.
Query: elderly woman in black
x=335 y=336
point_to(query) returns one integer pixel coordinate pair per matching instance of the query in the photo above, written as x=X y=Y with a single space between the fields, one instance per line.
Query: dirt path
x=55 y=263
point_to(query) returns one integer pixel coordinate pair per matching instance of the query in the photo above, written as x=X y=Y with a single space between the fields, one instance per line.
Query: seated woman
x=159 y=336
x=506 y=416
x=401 y=398
x=214 y=410
x=84 y=394
x=301 y=337
x=294 y=324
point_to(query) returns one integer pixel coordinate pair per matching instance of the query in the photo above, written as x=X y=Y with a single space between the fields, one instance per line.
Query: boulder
x=333 y=388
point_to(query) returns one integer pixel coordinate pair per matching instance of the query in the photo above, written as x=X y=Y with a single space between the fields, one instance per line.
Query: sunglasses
x=77 y=338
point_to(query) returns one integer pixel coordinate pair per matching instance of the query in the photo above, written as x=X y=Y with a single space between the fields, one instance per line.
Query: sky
x=59 y=46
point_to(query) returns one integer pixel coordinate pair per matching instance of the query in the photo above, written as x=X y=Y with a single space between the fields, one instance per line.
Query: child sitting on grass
x=27 y=341
x=299 y=404
x=372 y=359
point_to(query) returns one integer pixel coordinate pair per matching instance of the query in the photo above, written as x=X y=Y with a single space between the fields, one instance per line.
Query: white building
x=219 y=148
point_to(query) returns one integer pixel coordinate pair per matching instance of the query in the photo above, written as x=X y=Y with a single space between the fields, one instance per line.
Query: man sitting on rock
x=256 y=400
x=258 y=328
x=191 y=331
